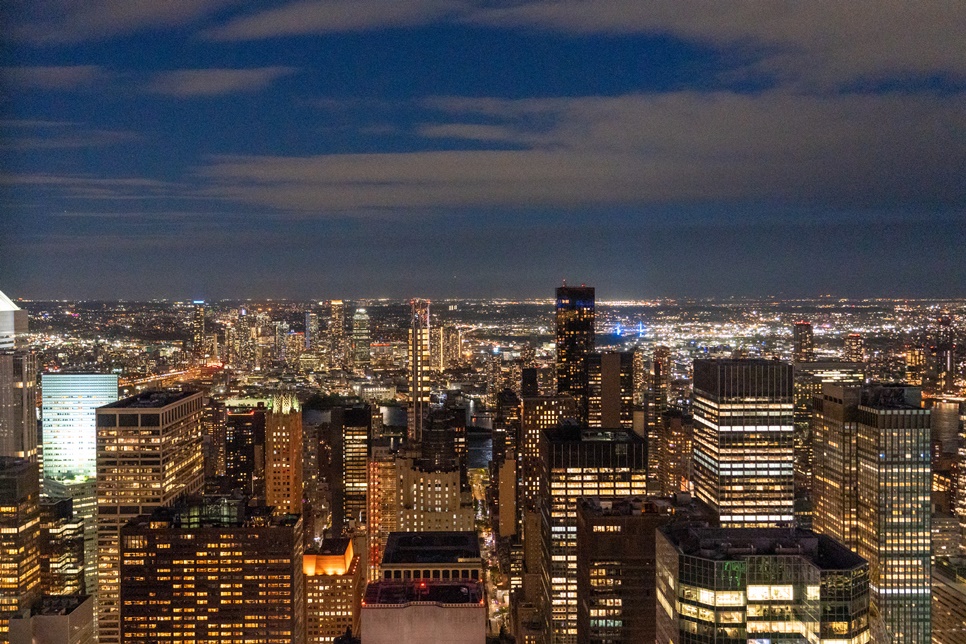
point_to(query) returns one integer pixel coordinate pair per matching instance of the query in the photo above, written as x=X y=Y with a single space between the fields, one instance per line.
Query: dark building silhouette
x=575 y=315
x=245 y=449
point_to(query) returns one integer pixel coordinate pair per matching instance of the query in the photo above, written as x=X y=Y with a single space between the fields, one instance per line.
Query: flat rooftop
x=430 y=547
x=400 y=593
x=58 y=604
x=731 y=544
x=150 y=400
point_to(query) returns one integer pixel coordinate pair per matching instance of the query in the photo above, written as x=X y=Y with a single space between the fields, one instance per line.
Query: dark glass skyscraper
x=804 y=350
x=575 y=339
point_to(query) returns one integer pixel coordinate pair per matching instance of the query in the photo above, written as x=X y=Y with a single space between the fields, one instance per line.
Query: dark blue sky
x=313 y=149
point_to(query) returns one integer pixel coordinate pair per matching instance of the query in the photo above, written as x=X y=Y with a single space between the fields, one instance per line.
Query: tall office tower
x=246 y=341
x=872 y=492
x=578 y=463
x=942 y=358
x=148 y=455
x=245 y=449
x=744 y=446
x=381 y=501
x=452 y=347
x=213 y=434
x=419 y=368
x=356 y=428
x=758 y=585
x=283 y=455
x=13 y=324
x=854 y=348
x=437 y=357
x=18 y=404
x=311 y=331
x=61 y=548
x=82 y=493
x=212 y=569
x=809 y=379
x=640 y=376
x=915 y=359
x=675 y=444
x=529 y=382
x=334 y=582
x=575 y=340
x=804 y=342
x=615 y=568
x=19 y=538
x=338 y=345
x=279 y=346
x=539 y=413
x=360 y=339
x=610 y=389
x=649 y=418
x=198 y=331
x=948 y=601
x=68 y=401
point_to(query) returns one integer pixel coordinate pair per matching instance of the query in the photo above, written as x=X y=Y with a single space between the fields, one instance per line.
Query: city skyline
x=215 y=149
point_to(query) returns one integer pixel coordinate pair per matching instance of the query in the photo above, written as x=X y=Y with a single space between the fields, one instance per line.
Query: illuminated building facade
x=334 y=581
x=610 y=389
x=283 y=455
x=941 y=363
x=382 y=502
x=575 y=339
x=452 y=339
x=18 y=404
x=212 y=570
x=68 y=401
x=809 y=379
x=61 y=548
x=432 y=498
x=539 y=413
x=744 y=440
x=419 y=368
x=615 y=568
x=356 y=427
x=854 y=348
x=311 y=331
x=872 y=492
x=360 y=339
x=803 y=342
x=915 y=359
x=338 y=344
x=435 y=555
x=82 y=492
x=148 y=455
x=198 y=346
x=759 y=585
x=19 y=538
x=580 y=463
x=675 y=442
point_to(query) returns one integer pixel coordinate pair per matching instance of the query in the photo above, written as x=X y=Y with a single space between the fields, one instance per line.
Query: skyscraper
x=18 y=404
x=539 y=413
x=283 y=455
x=334 y=582
x=744 y=440
x=212 y=570
x=854 y=348
x=419 y=367
x=148 y=454
x=337 y=341
x=68 y=401
x=804 y=350
x=579 y=463
x=872 y=492
x=575 y=339
x=13 y=324
x=198 y=346
x=610 y=389
x=360 y=339
x=311 y=331
x=19 y=538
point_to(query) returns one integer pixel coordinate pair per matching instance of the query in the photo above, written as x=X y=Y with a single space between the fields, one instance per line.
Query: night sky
x=397 y=148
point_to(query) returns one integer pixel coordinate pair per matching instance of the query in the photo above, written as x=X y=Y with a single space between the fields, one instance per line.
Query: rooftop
x=401 y=593
x=150 y=400
x=213 y=511
x=430 y=547
x=58 y=604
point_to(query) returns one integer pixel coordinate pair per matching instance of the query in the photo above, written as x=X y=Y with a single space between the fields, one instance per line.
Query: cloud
x=819 y=42
x=328 y=16
x=892 y=151
x=89 y=187
x=215 y=82
x=67 y=77
x=69 y=21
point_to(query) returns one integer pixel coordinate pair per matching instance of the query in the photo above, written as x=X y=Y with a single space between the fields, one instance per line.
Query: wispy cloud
x=855 y=151
x=69 y=139
x=67 y=77
x=69 y=21
x=214 y=82
x=312 y=16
